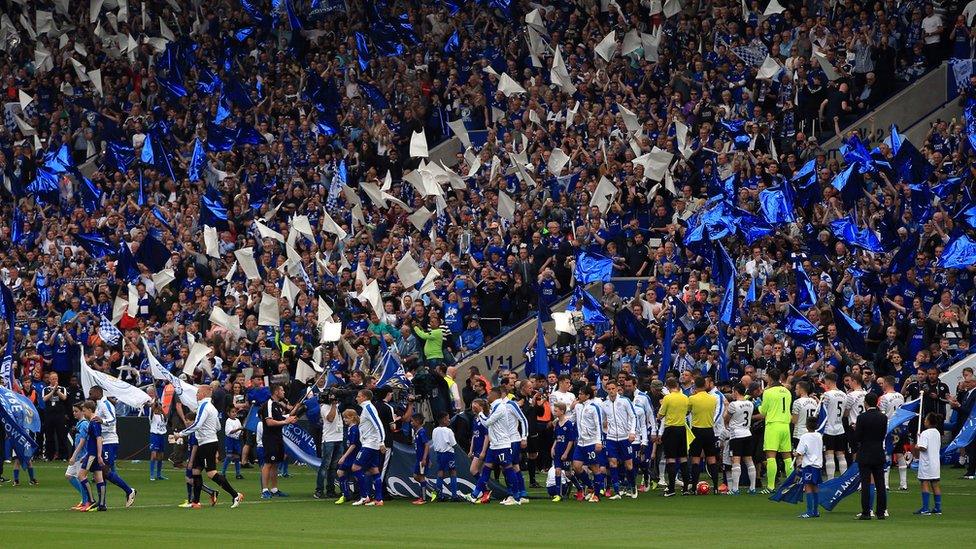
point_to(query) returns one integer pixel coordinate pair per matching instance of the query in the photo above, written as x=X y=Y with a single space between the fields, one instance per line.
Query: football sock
x=378 y=487
x=751 y=472
x=222 y=481
x=736 y=475
x=841 y=464
x=938 y=502
x=925 y=501
x=361 y=479
x=770 y=473
x=454 y=492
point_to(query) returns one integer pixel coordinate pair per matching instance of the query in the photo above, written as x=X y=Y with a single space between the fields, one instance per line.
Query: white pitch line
x=151 y=506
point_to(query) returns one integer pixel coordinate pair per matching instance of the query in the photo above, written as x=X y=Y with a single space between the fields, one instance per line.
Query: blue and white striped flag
x=391 y=371
x=754 y=54
x=108 y=332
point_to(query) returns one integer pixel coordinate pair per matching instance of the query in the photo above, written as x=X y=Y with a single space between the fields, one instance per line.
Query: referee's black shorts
x=675 y=442
x=704 y=442
x=205 y=458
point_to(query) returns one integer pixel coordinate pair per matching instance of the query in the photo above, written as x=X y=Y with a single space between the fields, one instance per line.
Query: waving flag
x=965 y=435
x=91 y=195
x=776 y=204
x=112 y=386
x=805 y=294
x=17 y=415
x=198 y=162
x=797 y=325
x=903 y=415
x=959 y=253
x=632 y=329
x=666 y=348
x=540 y=359
x=847 y=230
x=904 y=258
x=95 y=244
x=391 y=371
x=8 y=309
x=160 y=372
x=583 y=301
x=593 y=268
x=850 y=332
x=108 y=332
x=722 y=375
x=725 y=274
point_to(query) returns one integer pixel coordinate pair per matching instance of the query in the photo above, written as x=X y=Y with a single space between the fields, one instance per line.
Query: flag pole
x=921 y=411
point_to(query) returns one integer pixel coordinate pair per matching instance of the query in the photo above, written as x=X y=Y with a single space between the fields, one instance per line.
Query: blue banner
x=836 y=489
x=300 y=445
x=791 y=490
x=8 y=309
x=17 y=417
x=965 y=435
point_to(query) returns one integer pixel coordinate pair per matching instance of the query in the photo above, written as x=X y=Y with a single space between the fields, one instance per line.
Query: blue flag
x=300 y=445
x=776 y=204
x=593 y=268
x=797 y=325
x=850 y=184
x=152 y=253
x=158 y=214
x=59 y=160
x=903 y=415
x=583 y=301
x=540 y=358
x=453 y=43
x=392 y=371
x=806 y=295
x=847 y=231
x=8 y=310
x=836 y=489
x=632 y=329
x=17 y=416
x=95 y=244
x=904 y=258
x=959 y=253
x=125 y=267
x=251 y=423
x=849 y=331
x=725 y=274
x=147 y=156
x=965 y=435
x=751 y=294
x=666 y=347
x=791 y=490
x=213 y=213
x=374 y=96
x=91 y=195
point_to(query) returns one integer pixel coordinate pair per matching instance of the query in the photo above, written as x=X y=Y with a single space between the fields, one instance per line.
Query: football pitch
x=39 y=516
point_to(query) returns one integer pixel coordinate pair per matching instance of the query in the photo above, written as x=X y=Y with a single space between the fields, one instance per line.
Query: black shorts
x=205 y=458
x=533 y=444
x=835 y=443
x=675 y=442
x=704 y=442
x=742 y=447
x=274 y=451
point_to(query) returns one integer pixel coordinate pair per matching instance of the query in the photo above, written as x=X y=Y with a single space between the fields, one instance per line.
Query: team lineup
x=609 y=441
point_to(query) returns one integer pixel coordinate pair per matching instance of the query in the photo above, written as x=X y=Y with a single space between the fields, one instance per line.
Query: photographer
x=331 y=444
x=55 y=419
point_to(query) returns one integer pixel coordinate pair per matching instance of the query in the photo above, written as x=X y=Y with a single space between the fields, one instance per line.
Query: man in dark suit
x=869 y=435
x=963 y=405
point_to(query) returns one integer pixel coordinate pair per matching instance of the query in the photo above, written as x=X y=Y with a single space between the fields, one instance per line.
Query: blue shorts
x=367 y=458
x=501 y=456
x=232 y=446
x=589 y=456
x=157 y=442
x=260 y=453
x=635 y=449
x=109 y=452
x=620 y=450
x=810 y=475
x=558 y=461
x=92 y=464
x=446 y=461
x=516 y=452
x=419 y=467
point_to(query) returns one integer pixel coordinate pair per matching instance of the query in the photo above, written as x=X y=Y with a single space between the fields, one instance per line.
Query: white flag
x=245 y=257
x=268 y=314
x=198 y=353
x=418 y=145
x=607 y=46
x=111 y=386
x=210 y=241
x=408 y=271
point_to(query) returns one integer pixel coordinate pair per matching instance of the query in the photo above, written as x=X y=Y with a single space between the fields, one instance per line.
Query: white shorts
x=73 y=470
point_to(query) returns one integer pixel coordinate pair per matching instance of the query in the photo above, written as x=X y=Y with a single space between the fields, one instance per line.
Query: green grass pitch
x=38 y=516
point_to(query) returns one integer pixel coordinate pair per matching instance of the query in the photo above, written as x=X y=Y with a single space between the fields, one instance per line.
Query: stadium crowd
x=246 y=176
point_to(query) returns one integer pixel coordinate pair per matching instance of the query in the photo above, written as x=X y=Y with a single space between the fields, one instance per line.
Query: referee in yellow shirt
x=703 y=405
x=776 y=408
x=674 y=441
